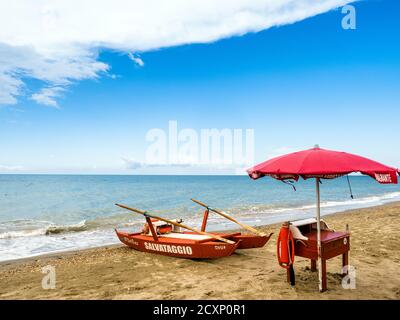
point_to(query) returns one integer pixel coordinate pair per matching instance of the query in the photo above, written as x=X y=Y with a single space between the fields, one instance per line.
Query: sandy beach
x=117 y=272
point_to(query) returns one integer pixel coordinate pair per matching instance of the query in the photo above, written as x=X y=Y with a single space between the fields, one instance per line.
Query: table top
x=326 y=235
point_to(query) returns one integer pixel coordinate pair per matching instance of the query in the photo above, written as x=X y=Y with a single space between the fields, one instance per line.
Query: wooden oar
x=145 y=213
x=225 y=215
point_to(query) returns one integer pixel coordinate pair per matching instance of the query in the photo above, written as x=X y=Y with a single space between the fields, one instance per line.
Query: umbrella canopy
x=322 y=163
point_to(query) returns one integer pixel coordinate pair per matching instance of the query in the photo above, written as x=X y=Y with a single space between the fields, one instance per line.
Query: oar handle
x=145 y=213
x=200 y=203
x=225 y=215
x=131 y=209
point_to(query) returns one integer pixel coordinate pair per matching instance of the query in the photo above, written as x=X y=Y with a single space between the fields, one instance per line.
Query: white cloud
x=10 y=87
x=6 y=168
x=138 y=167
x=133 y=164
x=57 y=70
x=47 y=96
x=136 y=59
x=57 y=41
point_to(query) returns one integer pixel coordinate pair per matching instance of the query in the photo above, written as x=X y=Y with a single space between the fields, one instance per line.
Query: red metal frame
x=247 y=241
x=153 y=232
x=205 y=218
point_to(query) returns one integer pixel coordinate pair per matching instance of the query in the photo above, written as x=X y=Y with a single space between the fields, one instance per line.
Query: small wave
x=81 y=226
x=22 y=233
x=36 y=228
x=360 y=202
x=30 y=228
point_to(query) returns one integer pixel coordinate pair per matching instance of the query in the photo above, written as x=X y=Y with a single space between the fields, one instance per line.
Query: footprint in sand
x=108 y=295
x=209 y=293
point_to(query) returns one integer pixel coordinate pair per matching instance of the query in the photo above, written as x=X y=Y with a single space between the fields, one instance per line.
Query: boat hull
x=179 y=248
x=245 y=241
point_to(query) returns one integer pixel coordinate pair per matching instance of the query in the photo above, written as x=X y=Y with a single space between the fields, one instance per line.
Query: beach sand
x=118 y=272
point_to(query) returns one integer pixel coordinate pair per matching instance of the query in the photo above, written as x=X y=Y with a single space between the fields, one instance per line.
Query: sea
x=41 y=214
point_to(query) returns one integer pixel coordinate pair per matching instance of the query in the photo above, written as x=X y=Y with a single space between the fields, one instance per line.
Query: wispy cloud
x=132 y=164
x=182 y=168
x=56 y=70
x=136 y=59
x=47 y=96
x=57 y=41
x=10 y=87
x=6 y=168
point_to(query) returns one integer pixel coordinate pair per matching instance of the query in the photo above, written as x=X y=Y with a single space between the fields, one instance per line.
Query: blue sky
x=296 y=85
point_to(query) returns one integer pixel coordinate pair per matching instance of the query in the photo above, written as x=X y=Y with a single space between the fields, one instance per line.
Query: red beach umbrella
x=320 y=163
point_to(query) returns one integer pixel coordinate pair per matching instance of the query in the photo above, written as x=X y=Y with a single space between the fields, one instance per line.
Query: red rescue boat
x=182 y=245
x=165 y=237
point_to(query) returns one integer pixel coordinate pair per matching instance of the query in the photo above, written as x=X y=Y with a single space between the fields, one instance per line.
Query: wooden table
x=333 y=243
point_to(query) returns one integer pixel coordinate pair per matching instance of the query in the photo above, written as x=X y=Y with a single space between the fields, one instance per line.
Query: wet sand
x=118 y=272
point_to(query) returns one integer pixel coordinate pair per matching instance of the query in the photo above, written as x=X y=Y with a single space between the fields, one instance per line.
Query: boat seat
x=157 y=224
x=186 y=236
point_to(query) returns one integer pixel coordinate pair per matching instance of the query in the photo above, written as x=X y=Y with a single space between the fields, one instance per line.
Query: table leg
x=313 y=265
x=345 y=262
x=324 y=286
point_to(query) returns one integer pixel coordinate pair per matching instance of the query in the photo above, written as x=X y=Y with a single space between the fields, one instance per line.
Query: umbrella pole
x=319 y=235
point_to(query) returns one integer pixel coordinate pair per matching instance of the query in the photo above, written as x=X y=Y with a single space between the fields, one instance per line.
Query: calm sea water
x=50 y=213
